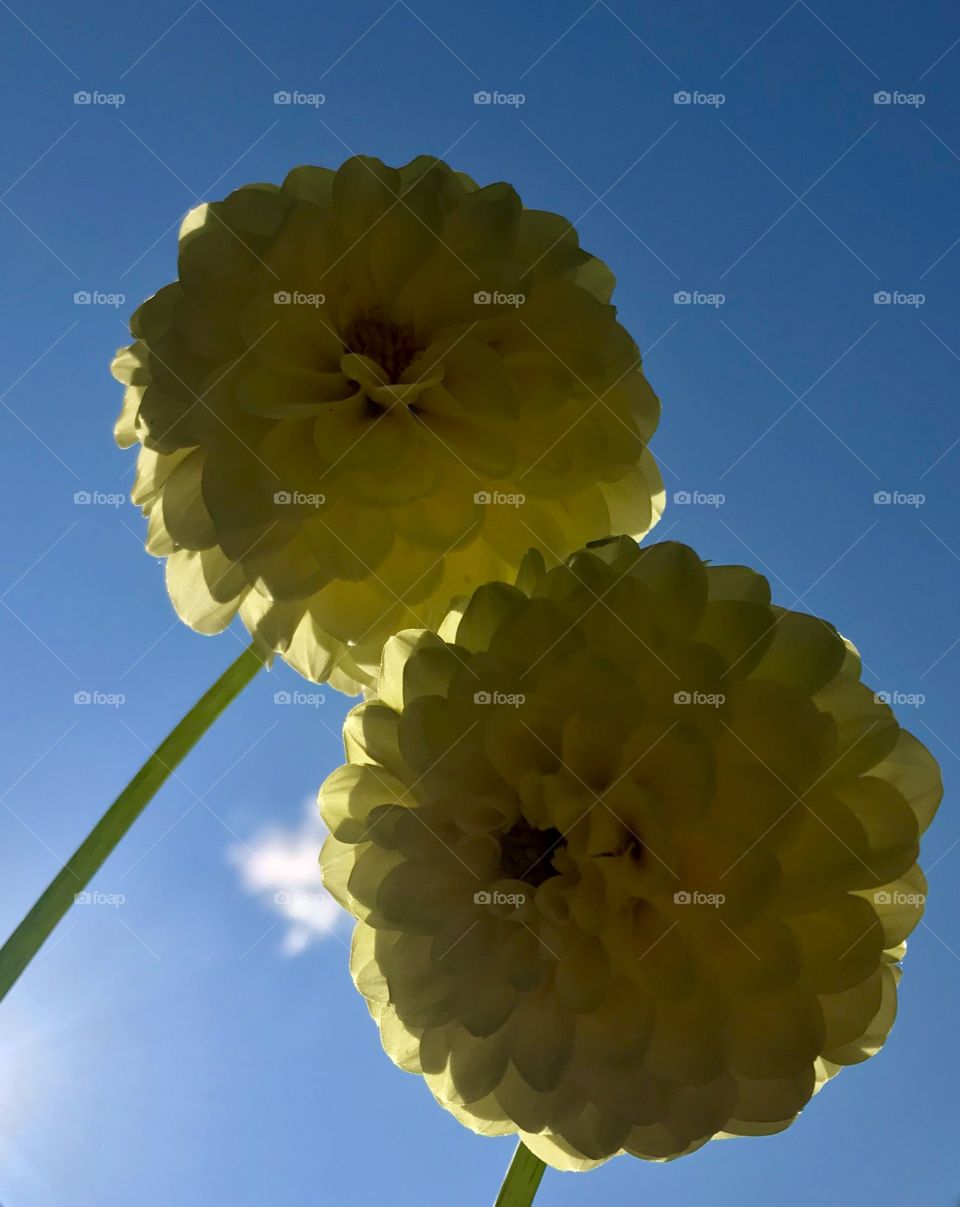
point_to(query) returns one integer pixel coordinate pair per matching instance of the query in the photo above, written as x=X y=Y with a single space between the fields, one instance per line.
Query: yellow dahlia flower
x=371 y=390
x=632 y=854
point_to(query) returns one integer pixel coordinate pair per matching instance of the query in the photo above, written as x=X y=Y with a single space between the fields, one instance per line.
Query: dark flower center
x=392 y=345
x=527 y=854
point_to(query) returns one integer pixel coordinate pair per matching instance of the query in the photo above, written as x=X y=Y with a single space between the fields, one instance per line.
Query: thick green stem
x=59 y=895
x=523 y=1178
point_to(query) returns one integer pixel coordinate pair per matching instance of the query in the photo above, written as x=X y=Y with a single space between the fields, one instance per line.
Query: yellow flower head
x=371 y=390
x=632 y=853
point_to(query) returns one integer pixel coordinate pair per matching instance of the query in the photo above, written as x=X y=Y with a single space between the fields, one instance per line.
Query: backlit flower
x=371 y=390
x=632 y=853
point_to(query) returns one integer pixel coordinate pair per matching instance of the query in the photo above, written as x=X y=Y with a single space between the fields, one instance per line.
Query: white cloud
x=280 y=867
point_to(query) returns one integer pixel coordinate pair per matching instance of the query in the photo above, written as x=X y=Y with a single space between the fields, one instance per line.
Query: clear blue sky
x=172 y=1050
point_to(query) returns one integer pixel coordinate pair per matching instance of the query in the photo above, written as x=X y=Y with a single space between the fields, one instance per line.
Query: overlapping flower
x=355 y=381
x=632 y=853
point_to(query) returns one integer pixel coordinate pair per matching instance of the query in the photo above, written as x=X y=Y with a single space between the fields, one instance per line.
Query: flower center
x=392 y=345
x=527 y=854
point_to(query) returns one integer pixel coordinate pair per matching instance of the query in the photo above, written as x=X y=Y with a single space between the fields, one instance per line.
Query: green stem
x=523 y=1178
x=76 y=874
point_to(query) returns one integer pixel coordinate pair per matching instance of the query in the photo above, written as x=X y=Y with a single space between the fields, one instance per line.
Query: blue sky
x=189 y=1044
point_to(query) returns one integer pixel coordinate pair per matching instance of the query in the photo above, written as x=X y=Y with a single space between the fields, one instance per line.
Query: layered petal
x=632 y=853
x=371 y=390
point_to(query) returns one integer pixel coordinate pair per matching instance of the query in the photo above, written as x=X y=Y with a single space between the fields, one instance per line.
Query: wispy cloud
x=280 y=866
